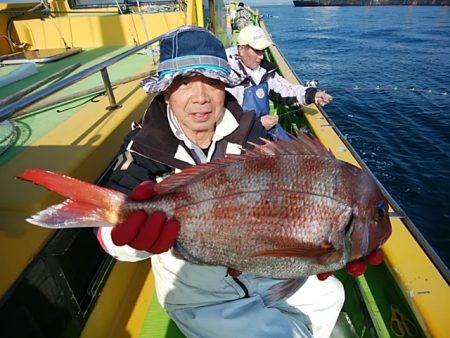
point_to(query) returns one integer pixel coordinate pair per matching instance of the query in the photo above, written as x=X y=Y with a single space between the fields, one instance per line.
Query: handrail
x=13 y=108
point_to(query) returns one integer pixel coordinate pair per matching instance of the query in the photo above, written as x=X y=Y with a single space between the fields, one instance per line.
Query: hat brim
x=156 y=84
x=260 y=45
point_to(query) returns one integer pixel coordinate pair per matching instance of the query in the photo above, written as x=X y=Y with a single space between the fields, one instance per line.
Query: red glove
x=152 y=233
x=358 y=267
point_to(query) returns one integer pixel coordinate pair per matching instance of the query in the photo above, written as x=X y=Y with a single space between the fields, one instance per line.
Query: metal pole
x=109 y=91
x=79 y=94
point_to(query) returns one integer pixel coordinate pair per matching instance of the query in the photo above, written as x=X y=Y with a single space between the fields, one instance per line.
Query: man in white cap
x=193 y=121
x=264 y=83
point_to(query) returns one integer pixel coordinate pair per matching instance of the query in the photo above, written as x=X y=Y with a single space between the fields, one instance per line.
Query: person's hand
x=269 y=121
x=322 y=98
x=152 y=233
x=358 y=267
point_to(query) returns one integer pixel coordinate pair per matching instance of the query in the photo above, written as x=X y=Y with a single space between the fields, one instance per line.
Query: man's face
x=251 y=57
x=197 y=102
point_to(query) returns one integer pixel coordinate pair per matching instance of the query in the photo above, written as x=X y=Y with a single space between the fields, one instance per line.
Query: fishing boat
x=70 y=89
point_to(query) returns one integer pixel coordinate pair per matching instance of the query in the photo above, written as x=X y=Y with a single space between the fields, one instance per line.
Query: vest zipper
x=242 y=285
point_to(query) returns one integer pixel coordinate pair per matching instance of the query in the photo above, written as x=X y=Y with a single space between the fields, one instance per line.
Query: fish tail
x=88 y=205
x=283 y=290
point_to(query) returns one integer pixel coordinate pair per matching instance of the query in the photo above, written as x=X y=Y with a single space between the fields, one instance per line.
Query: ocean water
x=388 y=69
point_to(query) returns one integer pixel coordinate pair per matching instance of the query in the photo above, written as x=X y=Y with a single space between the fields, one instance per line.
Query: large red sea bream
x=283 y=210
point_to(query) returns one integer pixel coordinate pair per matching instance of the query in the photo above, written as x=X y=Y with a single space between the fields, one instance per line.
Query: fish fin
x=70 y=214
x=194 y=172
x=306 y=251
x=181 y=253
x=305 y=144
x=188 y=175
x=176 y=251
x=283 y=290
x=88 y=205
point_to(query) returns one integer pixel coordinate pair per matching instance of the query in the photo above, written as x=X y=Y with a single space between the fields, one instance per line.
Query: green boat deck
x=376 y=311
x=33 y=124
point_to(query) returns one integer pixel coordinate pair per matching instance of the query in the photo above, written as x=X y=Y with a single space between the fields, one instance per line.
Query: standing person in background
x=241 y=18
x=196 y=121
x=263 y=82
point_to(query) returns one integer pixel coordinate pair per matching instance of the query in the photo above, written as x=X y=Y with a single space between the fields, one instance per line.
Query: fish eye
x=380 y=209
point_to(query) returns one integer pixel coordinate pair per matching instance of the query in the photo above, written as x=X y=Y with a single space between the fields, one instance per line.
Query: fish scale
x=254 y=229
x=283 y=210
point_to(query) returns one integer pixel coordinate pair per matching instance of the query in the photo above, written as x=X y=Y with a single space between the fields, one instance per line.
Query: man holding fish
x=206 y=301
x=232 y=239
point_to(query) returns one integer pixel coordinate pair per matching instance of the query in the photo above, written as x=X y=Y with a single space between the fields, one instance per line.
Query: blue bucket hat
x=189 y=51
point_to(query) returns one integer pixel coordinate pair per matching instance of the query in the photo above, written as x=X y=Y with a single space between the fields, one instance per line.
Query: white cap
x=254 y=37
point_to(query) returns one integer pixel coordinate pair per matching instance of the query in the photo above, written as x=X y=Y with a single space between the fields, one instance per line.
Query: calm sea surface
x=388 y=69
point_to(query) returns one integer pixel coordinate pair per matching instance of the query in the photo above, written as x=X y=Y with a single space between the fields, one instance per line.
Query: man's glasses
x=257 y=51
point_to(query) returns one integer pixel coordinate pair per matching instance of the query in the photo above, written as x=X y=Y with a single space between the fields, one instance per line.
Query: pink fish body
x=283 y=210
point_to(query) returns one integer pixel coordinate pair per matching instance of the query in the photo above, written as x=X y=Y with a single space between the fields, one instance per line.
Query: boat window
x=20 y=1
x=76 y=4
x=55 y=294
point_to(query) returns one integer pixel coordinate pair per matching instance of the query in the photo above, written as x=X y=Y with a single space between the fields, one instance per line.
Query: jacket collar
x=225 y=127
